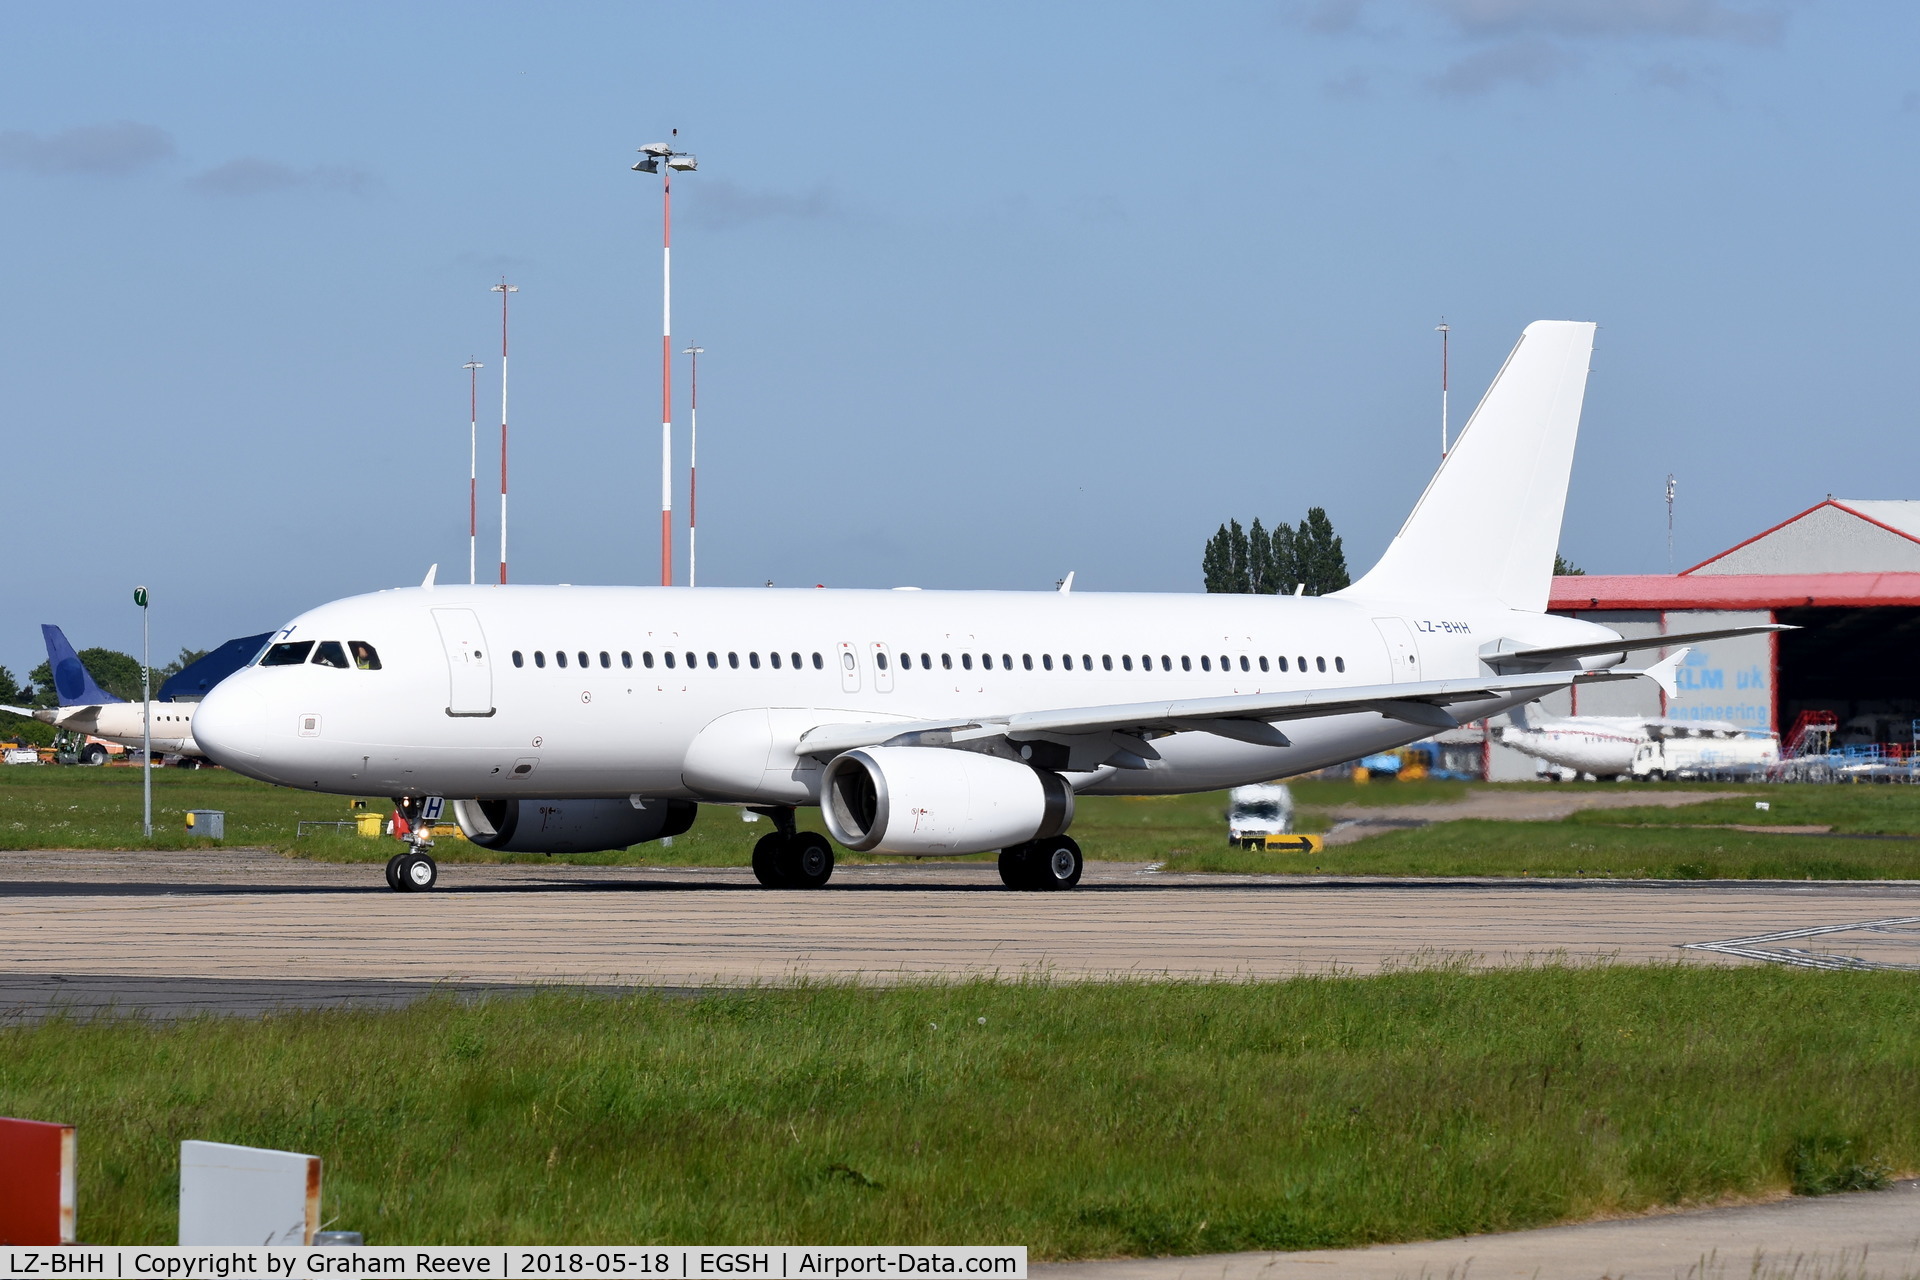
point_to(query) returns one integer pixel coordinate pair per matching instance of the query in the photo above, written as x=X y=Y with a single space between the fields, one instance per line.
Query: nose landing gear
x=412 y=870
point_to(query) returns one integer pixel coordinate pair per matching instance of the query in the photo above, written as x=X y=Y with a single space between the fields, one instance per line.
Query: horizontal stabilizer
x=1524 y=658
x=71 y=681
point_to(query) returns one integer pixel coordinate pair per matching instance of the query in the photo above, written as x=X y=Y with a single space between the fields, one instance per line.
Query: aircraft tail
x=1489 y=523
x=71 y=680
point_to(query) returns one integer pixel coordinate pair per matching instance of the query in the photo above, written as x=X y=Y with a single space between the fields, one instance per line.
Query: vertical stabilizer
x=71 y=681
x=1489 y=523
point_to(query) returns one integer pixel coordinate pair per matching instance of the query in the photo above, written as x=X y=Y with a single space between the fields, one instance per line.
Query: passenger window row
x=325 y=653
x=692 y=659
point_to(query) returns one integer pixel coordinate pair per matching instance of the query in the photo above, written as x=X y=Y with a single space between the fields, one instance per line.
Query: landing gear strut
x=790 y=858
x=1050 y=863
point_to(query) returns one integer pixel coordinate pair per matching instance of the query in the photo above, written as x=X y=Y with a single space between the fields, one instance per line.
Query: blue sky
x=989 y=292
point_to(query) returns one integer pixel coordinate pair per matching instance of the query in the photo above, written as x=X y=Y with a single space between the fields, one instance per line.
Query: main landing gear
x=789 y=858
x=1050 y=863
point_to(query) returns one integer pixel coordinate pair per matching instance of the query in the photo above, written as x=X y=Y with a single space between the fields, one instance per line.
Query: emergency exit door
x=469 y=665
x=1402 y=653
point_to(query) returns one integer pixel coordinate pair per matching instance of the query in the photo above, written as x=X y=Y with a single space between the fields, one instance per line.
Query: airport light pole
x=661 y=158
x=693 y=468
x=473 y=368
x=146 y=718
x=1443 y=330
x=503 y=289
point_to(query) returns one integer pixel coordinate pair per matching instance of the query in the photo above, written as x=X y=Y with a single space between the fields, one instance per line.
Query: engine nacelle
x=570 y=826
x=935 y=800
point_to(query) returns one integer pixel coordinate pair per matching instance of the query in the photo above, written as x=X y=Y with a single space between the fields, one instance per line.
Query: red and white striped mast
x=503 y=289
x=693 y=468
x=653 y=154
x=473 y=368
x=1444 y=331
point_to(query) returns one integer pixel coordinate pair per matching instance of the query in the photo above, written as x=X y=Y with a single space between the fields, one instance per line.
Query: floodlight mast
x=503 y=289
x=653 y=154
x=693 y=468
x=473 y=368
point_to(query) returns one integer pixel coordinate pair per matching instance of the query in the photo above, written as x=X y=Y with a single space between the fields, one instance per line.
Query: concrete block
x=233 y=1195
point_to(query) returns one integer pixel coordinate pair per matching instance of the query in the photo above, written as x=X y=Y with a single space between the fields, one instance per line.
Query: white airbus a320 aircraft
x=570 y=719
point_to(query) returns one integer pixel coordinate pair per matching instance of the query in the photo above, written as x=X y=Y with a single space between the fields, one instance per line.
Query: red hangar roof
x=1732 y=591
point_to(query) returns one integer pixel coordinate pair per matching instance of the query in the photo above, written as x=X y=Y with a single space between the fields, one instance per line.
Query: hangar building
x=1845 y=571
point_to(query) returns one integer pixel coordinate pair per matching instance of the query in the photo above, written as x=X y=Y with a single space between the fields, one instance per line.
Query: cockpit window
x=366 y=657
x=288 y=653
x=328 y=653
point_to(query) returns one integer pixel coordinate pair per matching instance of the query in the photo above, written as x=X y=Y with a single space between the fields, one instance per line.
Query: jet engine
x=935 y=800
x=570 y=826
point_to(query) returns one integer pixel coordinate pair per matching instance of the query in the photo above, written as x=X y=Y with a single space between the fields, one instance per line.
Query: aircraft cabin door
x=882 y=667
x=470 y=673
x=1403 y=655
x=849 y=661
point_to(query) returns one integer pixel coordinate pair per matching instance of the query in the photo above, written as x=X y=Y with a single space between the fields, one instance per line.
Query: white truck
x=1676 y=752
x=1258 y=813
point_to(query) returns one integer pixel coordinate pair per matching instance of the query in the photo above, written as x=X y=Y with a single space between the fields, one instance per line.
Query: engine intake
x=570 y=826
x=936 y=800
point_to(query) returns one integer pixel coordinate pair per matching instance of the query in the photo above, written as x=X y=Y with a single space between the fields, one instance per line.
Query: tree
x=112 y=670
x=20 y=728
x=1321 y=563
x=1565 y=568
x=1275 y=561
x=1224 y=563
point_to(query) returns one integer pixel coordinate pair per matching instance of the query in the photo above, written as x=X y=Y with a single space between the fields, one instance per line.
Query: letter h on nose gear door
x=469 y=670
x=1402 y=653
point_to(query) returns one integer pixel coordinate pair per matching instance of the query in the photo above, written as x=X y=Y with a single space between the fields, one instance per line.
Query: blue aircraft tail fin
x=71 y=681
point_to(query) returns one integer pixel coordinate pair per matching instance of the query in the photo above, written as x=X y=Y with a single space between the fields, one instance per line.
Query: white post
x=473 y=368
x=666 y=375
x=146 y=717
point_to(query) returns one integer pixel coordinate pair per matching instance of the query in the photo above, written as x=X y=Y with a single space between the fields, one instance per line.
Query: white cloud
x=1531 y=61
x=120 y=147
x=253 y=176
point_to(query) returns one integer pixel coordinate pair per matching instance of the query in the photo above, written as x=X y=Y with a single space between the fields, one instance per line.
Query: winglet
x=1066 y=583
x=71 y=681
x=427 y=581
x=1663 y=672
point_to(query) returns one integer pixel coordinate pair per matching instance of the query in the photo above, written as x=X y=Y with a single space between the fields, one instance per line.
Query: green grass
x=1581 y=848
x=1857 y=808
x=1086 y=1120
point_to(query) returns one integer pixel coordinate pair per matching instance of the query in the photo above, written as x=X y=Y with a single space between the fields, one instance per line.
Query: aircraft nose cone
x=228 y=724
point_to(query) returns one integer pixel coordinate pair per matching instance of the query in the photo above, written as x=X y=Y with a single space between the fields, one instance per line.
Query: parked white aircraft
x=87 y=709
x=1604 y=746
x=567 y=719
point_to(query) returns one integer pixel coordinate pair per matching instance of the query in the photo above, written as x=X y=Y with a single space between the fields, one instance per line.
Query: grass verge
x=1085 y=1120
x=1582 y=849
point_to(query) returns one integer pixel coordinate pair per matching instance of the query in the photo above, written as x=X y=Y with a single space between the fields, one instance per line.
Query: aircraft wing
x=1592 y=648
x=1244 y=717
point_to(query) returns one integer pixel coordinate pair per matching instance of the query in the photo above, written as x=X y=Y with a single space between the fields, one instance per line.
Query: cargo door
x=1403 y=655
x=469 y=668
